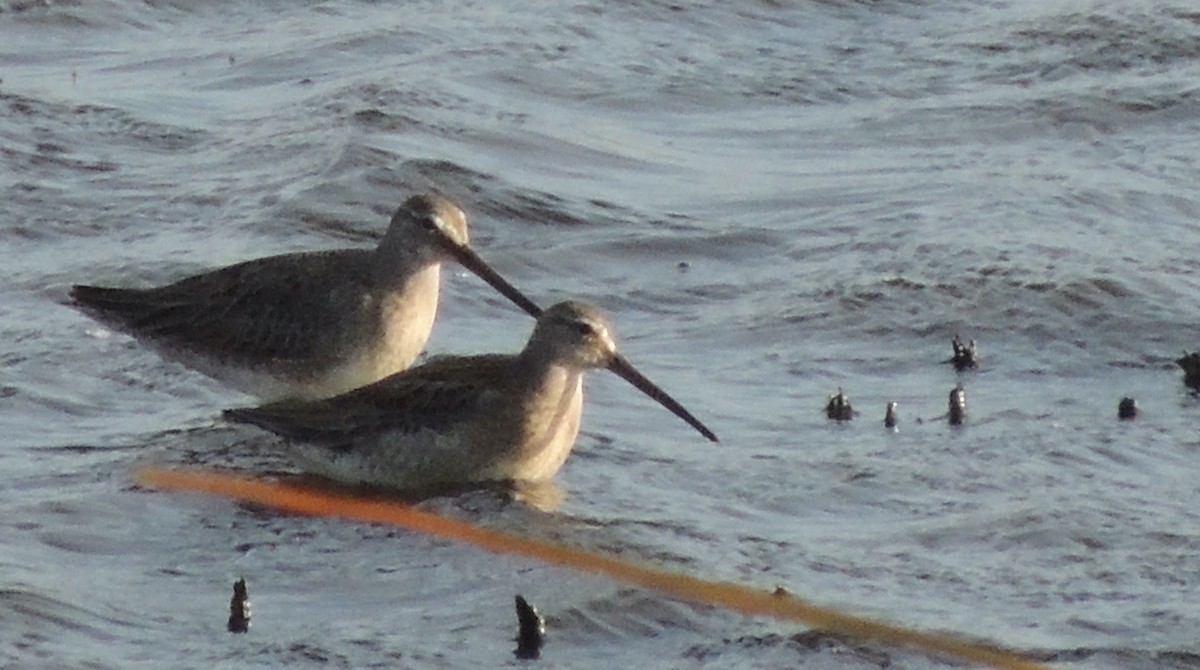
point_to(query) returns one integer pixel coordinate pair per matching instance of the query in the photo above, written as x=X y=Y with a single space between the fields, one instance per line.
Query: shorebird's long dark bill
x=471 y=261
x=626 y=371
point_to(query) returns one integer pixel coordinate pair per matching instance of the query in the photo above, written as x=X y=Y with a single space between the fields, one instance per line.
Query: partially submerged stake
x=1127 y=409
x=239 y=608
x=1190 y=362
x=531 y=632
x=838 y=408
x=958 y=405
x=966 y=355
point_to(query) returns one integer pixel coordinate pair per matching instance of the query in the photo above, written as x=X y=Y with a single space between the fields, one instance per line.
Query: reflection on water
x=545 y=496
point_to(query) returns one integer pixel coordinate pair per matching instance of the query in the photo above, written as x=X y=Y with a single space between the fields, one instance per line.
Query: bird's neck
x=398 y=260
x=550 y=395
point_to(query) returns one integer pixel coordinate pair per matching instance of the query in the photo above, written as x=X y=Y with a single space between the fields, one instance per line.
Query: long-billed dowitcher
x=308 y=325
x=456 y=420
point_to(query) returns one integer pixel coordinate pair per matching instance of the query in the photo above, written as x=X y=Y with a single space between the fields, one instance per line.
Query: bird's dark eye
x=584 y=328
x=428 y=223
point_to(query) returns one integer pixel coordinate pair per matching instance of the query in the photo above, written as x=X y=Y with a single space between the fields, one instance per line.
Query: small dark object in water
x=889 y=419
x=958 y=405
x=1190 y=362
x=838 y=408
x=964 y=354
x=1127 y=409
x=239 y=608
x=532 y=632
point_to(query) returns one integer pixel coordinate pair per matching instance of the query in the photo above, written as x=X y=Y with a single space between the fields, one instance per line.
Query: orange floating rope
x=720 y=594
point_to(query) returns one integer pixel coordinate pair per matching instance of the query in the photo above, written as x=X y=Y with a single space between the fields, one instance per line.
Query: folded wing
x=433 y=396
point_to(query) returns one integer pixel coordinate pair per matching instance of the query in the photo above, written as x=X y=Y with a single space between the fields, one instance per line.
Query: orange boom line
x=720 y=594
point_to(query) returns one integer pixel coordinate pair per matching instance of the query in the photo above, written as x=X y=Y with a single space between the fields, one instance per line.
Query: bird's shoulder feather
x=432 y=396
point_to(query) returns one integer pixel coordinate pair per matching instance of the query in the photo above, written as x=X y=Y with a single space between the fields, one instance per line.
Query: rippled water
x=772 y=199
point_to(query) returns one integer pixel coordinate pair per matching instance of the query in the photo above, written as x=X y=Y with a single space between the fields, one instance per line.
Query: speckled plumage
x=307 y=325
x=465 y=419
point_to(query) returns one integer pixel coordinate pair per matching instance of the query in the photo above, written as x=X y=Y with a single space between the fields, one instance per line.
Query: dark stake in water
x=531 y=630
x=239 y=608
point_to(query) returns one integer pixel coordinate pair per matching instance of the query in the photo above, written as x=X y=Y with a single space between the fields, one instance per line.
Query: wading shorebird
x=308 y=325
x=463 y=419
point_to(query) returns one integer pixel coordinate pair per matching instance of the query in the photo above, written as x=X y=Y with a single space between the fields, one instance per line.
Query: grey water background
x=771 y=199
